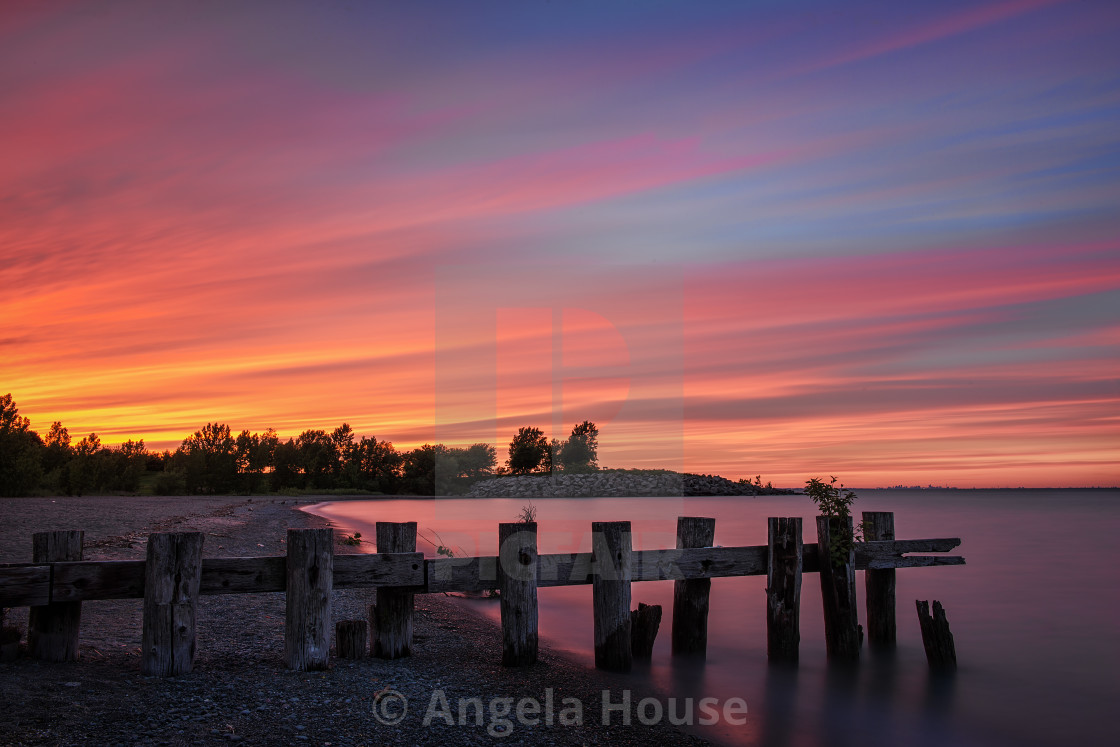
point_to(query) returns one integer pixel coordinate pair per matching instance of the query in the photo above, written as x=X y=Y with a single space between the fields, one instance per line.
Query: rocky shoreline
x=240 y=691
x=614 y=484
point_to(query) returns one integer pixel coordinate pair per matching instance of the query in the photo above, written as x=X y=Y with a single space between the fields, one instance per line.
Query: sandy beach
x=240 y=690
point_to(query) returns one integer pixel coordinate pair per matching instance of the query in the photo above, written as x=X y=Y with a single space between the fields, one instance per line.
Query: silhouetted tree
x=207 y=460
x=527 y=451
x=418 y=470
x=21 y=451
x=378 y=465
x=580 y=452
x=318 y=458
x=286 y=472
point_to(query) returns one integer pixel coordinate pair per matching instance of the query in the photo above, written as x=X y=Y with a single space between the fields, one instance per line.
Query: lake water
x=1035 y=613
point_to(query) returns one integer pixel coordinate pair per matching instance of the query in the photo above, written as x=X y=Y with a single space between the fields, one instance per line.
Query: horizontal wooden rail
x=571 y=569
x=29 y=584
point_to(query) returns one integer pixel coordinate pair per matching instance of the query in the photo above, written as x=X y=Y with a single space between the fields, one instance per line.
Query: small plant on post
x=528 y=513
x=835 y=502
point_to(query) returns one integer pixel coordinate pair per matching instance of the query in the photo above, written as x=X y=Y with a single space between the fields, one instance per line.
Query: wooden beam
x=25 y=585
x=382 y=569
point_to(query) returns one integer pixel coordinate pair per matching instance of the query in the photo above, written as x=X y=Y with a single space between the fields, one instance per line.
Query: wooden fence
x=175 y=574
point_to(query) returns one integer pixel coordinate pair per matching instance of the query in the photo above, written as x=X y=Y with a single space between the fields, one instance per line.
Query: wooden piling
x=517 y=587
x=52 y=629
x=690 y=596
x=784 y=564
x=879 y=585
x=941 y=651
x=644 y=624
x=310 y=580
x=391 y=615
x=838 y=592
x=172 y=571
x=350 y=637
x=611 y=552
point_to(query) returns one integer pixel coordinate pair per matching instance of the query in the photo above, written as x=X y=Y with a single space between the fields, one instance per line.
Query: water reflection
x=997 y=697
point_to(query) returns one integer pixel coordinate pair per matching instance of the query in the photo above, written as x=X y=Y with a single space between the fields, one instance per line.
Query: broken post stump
x=784 y=564
x=52 y=629
x=611 y=553
x=644 y=624
x=517 y=589
x=171 y=577
x=941 y=652
x=350 y=638
x=310 y=580
x=391 y=614
x=879 y=585
x=838 y=589
x=690 y=596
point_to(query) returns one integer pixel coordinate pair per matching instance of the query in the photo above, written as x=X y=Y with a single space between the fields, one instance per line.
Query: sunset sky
x=876 y=240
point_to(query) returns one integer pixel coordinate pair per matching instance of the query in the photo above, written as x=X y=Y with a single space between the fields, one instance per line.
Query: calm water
x=1035 y=613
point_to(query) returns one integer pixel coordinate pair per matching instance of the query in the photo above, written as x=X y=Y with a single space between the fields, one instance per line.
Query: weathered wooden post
x=172 y=572
x=644 y=624
x=611 y=561
x=310 y=580
x=879 y=585
x=517 y=587
x=784 y=563
x=391 y=614
x=941 y=651
x=690 y=596
x=838 y=588
x=350 y=638
x=52 y=629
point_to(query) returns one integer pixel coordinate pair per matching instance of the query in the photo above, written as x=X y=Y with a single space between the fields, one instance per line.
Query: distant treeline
x=213 y=460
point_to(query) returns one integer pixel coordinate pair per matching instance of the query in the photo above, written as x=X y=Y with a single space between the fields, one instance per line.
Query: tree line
x=215 y=460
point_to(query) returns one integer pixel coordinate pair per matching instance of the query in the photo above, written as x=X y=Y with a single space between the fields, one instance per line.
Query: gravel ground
x=240 y=690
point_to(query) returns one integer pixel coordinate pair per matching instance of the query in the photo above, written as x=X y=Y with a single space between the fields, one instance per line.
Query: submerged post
x=611 y=551
x=644 y=624
x=838 y=588
x=941 y=651
x=880 y=585
x=52 y=629
x=784 y=563
x=391 y=615
x=690 y=597
x=171 y=576
x=310 y=579
x=517 y=587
